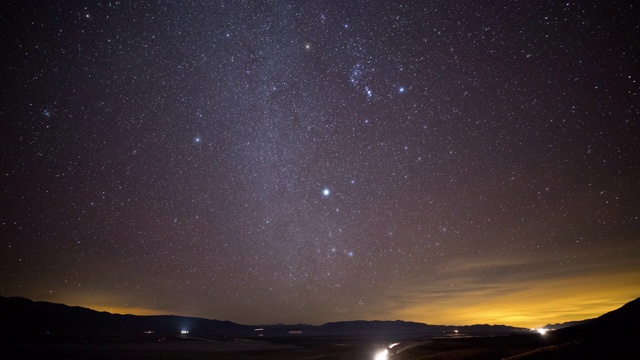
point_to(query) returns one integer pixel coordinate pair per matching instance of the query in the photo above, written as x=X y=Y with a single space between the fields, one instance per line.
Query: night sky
x=446 y=162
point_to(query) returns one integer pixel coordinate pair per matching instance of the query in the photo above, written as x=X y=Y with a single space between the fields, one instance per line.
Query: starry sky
x=446 y=162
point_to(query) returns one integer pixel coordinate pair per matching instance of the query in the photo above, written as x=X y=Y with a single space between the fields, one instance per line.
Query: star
x=326 y=192
x=368 y=91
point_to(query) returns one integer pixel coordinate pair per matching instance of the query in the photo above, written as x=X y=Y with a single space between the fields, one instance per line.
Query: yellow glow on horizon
x=533 y=305
x=128 y=310
x=103 y=303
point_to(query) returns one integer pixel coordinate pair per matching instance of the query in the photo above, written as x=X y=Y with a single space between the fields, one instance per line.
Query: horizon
x=147 y=312
x=308 y=162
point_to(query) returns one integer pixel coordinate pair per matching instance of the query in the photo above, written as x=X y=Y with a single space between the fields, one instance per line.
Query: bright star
x=326 y=192
x=401 y=89
x=197 y=139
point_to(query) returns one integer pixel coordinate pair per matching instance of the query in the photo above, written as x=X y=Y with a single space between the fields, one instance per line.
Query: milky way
x=450 y=162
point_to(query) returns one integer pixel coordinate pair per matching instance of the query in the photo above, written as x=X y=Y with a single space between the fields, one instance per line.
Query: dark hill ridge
x=28 y=318
x=627 y=315
x=621 y=323
x=613 y=335
x=23 y=317
x=566 y=324
x=405 y=327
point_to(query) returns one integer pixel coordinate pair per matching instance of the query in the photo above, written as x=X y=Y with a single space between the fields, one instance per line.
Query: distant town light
x=381 y=355
x=542 y=331
x=184 y=332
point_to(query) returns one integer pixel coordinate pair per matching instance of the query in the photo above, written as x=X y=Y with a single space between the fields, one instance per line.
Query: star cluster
x=310 y=161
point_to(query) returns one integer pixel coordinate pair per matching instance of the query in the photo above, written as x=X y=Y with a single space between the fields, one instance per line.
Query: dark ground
x=191 y=349
x=513 y=347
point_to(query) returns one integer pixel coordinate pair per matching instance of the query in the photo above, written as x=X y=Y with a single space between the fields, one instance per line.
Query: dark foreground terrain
x=517 y=347
x=192 y=349
x=511 y=347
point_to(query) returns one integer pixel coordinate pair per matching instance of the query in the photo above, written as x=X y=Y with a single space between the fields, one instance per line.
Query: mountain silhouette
x=610 y=336
x=27 y=318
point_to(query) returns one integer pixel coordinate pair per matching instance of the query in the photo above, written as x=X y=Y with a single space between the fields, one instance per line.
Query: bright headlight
x=382 y=355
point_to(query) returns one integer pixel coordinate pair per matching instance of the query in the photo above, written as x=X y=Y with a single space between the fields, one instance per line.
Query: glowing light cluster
x=542 y=331
x=381 y=355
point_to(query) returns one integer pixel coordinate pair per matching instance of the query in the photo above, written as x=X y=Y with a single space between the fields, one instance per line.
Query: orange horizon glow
x=128 y=311
x=497 y=312
x=533 y=305
x=556 y=302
